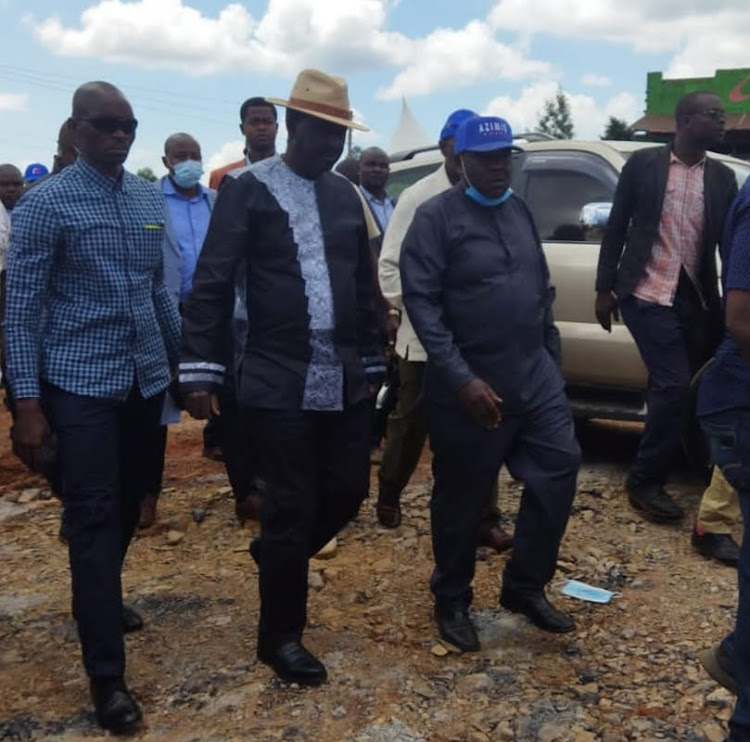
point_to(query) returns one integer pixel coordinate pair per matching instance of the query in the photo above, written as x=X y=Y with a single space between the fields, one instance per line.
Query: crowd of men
x=274 y=303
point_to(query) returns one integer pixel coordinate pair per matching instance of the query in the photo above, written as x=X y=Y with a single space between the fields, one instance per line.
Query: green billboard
x=732 y=86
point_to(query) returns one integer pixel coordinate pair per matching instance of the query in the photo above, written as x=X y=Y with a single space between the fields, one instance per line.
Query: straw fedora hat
x=323 y=96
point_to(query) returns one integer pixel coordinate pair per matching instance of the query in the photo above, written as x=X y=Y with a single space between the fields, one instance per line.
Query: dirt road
x=628 y=673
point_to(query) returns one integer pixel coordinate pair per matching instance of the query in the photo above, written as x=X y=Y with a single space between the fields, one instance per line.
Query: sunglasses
x=717 y=114
x=110 y=125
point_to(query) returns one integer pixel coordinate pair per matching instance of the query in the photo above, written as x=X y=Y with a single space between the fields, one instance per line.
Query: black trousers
x=230 y=431
x=540 y=449
x=103 y=446
x=316 y=466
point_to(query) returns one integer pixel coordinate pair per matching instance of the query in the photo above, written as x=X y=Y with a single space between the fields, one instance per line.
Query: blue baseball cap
x=35 y=171
x=453 y=122
x=484 y=134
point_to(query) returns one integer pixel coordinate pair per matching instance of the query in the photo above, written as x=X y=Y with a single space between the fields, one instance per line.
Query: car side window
x=559 y=185
x=401 y=179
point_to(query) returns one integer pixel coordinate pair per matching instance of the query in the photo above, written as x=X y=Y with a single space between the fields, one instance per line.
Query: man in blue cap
x=407 y=424
x=34 y=172
x=476 y=286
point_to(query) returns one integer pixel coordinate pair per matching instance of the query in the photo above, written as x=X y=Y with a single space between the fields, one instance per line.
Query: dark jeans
x=673 y=343
x=728 y=435
x=539 y=448
x=406 y=435
x=316 y=466
x=102 y=446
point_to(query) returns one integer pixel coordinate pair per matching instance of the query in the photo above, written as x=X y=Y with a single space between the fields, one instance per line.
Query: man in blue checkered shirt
x=91 y=335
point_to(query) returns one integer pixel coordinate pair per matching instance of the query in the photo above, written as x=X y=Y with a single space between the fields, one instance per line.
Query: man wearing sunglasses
x=91 y=333
x=657 y=267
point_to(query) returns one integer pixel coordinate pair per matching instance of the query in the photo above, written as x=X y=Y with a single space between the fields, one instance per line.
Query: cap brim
x=348 y=123
x=490 y=147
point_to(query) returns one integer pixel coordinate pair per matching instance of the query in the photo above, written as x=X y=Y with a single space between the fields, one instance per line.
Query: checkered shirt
x=87 y=308
x=678 y=242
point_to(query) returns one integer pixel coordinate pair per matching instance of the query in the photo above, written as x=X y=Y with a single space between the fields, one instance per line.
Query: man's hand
x=30 y=433
x=202 y=405
x=481 y=402
x=606 y=308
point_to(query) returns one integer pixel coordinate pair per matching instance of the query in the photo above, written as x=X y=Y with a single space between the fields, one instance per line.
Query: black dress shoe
x=293 y=663
x=655 y=504
x=456 y=628
x=388 y=510
x=717 y=663
x=539 y=611
x=116 y=710
x=719 y=546
x=131 y=619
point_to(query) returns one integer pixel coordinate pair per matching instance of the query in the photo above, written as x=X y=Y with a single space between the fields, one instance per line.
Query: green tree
x=556 y=119
x=617 y=129
x=147 y=174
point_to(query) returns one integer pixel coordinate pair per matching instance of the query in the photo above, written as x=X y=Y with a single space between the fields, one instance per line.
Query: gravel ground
x=628 y=673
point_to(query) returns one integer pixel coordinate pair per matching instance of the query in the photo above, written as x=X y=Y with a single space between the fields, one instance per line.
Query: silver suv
x=569 y=187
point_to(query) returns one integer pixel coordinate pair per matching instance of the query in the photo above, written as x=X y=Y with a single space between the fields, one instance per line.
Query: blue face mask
x=482 y=200
x=187 y=173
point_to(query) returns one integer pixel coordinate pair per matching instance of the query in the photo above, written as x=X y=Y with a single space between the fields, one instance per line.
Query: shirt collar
x=674 y=158
x=168 y=189
x=388 y=198
x=103 y=181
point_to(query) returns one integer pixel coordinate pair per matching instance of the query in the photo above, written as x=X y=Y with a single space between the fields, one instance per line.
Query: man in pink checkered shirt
x=657 y=267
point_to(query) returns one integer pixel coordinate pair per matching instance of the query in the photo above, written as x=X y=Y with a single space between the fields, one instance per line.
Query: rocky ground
x=628 y=673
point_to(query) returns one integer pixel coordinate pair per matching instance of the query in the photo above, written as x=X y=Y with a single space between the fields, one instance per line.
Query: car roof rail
x=534 y=136
x=409 y=154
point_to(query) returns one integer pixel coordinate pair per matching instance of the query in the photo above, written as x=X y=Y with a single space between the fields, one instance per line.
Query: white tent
x=409 y=134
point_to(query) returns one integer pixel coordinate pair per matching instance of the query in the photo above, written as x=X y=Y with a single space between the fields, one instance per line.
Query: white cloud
x=596 y=81
x=292 y=34
x=227 y=152
x=589 y=118
x=14 y=102
x=703 y=35
x=449 y=57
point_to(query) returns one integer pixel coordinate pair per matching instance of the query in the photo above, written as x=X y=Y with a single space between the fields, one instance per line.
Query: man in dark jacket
x=476 y=287
x=311 y=359
x=657 y=266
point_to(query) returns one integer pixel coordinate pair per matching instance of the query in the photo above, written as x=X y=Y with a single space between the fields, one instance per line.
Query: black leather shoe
x=539 y=611
x=456 y=628
x=131 y=619
x=388 y=510
x=293 y=663
x=655 y=504
x=116 y=710
x=718 y=665
x=719 y=546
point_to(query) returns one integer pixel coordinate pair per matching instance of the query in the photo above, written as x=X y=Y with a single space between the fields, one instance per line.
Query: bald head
x=180 y=141
x=11 y=185
x=89 y=96
x=103 y=126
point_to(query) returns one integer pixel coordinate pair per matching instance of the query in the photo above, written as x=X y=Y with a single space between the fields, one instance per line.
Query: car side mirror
x=594 y=215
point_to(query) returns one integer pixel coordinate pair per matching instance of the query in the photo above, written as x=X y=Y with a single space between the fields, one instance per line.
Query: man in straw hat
x=476 y=286
x=312 y=358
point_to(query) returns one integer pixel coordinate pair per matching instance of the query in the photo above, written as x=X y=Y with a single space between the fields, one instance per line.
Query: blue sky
x=188 y=64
